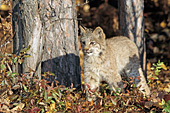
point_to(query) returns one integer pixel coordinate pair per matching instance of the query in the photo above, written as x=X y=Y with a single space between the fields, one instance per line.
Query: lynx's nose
x=86 y=49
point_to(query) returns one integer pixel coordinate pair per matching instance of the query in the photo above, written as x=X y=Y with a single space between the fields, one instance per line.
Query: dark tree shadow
x=66 y=69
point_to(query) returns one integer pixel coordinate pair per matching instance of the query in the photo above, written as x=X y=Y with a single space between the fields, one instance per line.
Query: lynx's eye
x=83 y=42
x=92 y=43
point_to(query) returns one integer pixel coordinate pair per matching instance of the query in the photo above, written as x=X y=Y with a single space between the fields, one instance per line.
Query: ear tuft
x=82 y=30
x=98 y=32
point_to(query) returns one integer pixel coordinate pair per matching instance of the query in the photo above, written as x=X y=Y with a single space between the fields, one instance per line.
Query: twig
x=9 y=68
x=6 y=43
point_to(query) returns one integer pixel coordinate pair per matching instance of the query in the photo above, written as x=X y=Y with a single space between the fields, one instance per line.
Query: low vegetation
x=20 y=94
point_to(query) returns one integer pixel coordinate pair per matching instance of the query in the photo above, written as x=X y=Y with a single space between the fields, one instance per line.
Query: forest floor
x=22 y=97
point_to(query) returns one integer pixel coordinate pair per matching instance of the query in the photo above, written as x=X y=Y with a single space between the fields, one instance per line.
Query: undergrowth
x=20 y=94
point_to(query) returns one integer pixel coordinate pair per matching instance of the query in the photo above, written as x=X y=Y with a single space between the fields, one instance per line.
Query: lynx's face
x=90 y=46
x=92 y=43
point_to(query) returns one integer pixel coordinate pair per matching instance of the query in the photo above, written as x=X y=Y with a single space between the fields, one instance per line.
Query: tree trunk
x=50 y=28
x=132 y=25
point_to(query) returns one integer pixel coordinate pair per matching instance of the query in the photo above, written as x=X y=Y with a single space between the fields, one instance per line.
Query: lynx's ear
x=98 y=32
x=82 y=30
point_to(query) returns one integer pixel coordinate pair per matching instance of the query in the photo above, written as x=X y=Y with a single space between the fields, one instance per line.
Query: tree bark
x=50 y=28
x=132 y=25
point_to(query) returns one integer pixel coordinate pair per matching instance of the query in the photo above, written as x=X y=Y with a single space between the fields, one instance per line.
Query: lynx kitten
x=108 y=60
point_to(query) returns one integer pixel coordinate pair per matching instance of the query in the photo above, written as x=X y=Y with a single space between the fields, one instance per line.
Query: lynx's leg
x=91 y=84
x=140 y=80
x=144 y=88
x=117 y=86
x=115 y=83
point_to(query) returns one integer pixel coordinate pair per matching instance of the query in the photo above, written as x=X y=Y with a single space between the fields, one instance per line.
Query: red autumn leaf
x=35 y=109
x=138 y=77
x=92 y=90
x=88 y=85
